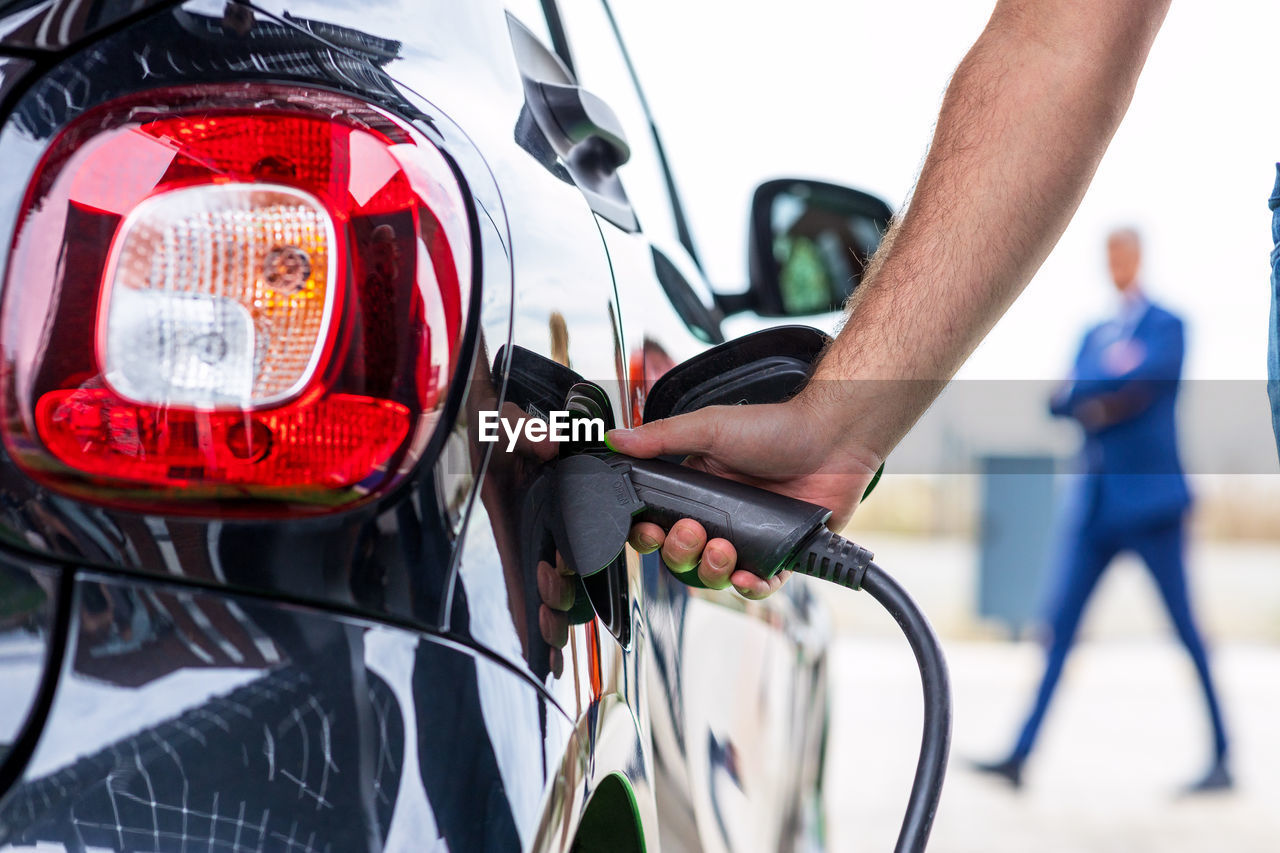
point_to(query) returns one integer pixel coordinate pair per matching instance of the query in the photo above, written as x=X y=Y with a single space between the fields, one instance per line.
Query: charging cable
x=600 y=494
x=830 y=557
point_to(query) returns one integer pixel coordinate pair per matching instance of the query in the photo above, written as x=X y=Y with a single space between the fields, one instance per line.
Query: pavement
x=1235 y=588
x=1126 y=731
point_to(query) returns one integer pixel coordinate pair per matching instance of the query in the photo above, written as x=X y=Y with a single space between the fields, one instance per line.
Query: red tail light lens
x=220 y=294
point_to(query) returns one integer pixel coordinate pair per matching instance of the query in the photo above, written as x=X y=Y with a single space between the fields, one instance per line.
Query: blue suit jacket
x=1133 y=476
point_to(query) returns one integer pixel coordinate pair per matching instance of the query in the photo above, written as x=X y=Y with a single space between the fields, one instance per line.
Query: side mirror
x=807 y=245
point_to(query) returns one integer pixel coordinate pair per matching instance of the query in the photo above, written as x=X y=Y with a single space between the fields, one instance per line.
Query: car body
x=373 y=676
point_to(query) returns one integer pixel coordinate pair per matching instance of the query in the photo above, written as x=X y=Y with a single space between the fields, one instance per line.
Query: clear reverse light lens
x=218 y=296
x=189 y=347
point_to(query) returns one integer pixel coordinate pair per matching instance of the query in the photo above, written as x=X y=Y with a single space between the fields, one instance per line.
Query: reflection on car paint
x=354 y=736
x=27 y=598
x=58 y=24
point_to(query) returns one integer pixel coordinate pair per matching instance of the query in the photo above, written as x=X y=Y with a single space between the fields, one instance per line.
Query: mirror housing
x=807 y=245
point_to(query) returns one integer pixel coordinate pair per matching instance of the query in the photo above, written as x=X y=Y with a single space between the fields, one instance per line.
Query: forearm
x=1106 y=410
x=1024 y=123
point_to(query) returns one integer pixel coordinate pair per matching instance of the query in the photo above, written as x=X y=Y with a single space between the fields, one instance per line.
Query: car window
x=602 y=69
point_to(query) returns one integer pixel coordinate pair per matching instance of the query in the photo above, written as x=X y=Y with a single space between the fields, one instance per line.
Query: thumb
x=693 y=433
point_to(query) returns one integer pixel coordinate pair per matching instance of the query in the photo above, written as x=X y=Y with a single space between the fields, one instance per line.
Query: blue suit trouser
x=1273 y=335
x=1089 y=551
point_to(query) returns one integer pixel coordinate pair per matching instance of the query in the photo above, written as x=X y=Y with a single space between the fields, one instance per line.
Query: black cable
x=935 y=743
x=834 y=558
x=600 y=497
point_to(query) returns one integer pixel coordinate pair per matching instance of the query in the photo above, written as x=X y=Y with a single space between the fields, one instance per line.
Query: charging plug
x=600 y=494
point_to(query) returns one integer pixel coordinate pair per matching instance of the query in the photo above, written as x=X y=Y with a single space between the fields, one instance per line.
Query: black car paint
x=48 y=26
x=314 y=724
x=428 y=564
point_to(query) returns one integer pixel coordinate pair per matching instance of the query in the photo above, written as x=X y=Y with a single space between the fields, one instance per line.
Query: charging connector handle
x=600 y=496
x=767 y=529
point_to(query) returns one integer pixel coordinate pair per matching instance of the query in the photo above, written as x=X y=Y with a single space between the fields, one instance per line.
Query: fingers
x=718 y=561
x=679 y=435
x=755 y=588
x=555 y=586
x=683 y=546
x=554 y=626
x=686 y=547
x=646 y=537
x=557 y=589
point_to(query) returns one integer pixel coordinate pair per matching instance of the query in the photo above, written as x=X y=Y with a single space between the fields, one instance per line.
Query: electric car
x=266 y=266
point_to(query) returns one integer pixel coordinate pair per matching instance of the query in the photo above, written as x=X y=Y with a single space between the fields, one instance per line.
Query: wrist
x=833 y=424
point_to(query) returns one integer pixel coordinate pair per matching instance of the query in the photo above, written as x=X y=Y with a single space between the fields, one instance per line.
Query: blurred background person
x=1132 y=494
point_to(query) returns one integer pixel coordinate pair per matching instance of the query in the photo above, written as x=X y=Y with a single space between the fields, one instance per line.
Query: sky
x=849 y=91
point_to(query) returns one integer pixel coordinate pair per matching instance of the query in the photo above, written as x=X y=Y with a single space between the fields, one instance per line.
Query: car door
x=726 y=673
x=565 y=327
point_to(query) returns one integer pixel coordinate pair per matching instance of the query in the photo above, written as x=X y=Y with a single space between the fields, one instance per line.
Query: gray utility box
x=1018 y=523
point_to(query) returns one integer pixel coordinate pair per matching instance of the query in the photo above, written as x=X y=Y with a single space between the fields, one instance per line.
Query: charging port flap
x=537 y=385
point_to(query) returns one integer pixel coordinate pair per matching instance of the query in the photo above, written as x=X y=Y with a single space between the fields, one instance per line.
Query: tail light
x=232 y=293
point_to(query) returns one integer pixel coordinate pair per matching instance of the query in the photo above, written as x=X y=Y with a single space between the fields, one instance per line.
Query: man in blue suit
x=1132 y=495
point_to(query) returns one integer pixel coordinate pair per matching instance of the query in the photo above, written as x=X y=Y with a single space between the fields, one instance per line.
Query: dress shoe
x=1216 y=780
x=1010 y=770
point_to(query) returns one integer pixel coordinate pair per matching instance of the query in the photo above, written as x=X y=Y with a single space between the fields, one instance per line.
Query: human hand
x=794 y=448
x=509 y=473
x=557 y=590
